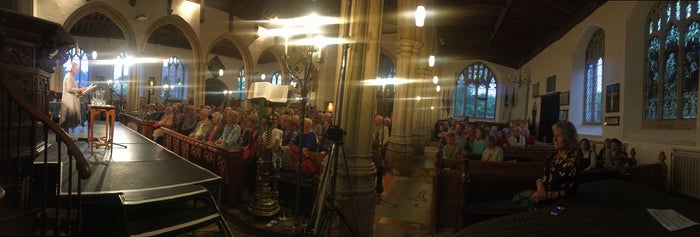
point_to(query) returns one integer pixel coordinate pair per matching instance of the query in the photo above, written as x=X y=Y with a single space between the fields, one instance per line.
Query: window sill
x=590 y=130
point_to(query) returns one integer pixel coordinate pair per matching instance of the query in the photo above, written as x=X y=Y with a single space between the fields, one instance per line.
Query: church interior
x=349 y=118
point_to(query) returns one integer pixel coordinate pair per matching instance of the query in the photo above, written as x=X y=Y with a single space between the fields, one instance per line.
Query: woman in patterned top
x=559 y=179
x=451 y=150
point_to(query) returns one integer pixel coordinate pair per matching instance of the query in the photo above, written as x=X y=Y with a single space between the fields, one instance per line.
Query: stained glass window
x=475 y=92
x=672 y=47
x=174 y=79
x=80 y=57
x=593 y=93
x=120 y=83
x=240 y=82
x=276 y=78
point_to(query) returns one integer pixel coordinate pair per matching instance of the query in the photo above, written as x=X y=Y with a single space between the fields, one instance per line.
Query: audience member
x=216 y=127
x=502 y=139
x=602 y=153
x=387 y=123
x=559 y=178
x=492 y=152
x=530 y=138
x=517 y=139
x=166 y=121
x=460 y=136
x=203 y=126
x=380 y=134
x=479 y=144
x=588 y=159
x=451 y=150
x=232 y=131
x=616 y=158
x=189 y=120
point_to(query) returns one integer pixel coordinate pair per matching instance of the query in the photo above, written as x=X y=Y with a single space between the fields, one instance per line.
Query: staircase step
x=173 y=222
x=174 y=193
x=170 y=211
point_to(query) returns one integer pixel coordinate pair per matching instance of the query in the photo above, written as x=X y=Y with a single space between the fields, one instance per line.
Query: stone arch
x=177 y=21
x=212 y=95
x=108 y=11
x=240 y=45
x=193 y=39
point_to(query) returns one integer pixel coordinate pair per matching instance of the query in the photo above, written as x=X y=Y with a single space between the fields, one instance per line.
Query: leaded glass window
x=475 y=92
x=120 y=83
x=386 y=91
x=80 y=57
x=276 y=78
x=593 y=93
x=240 y=82
x=672 y=47
x=174 y=79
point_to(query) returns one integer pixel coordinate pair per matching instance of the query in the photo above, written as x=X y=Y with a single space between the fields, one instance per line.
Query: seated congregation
x=484 y=177
x=225 y=140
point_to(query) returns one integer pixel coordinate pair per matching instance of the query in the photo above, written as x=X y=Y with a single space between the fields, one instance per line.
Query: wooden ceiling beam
x=497 y=26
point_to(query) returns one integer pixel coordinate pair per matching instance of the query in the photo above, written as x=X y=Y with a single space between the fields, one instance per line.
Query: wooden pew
x=490 y=186
x=448 y=201
x=143 y=127
x=519 y=154
x=529 y=154
x=226 y=163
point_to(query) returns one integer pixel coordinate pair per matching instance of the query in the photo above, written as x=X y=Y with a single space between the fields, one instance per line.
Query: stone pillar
x=133 y=100
x=357 y=201
x=420 y=134
x=199 y=69
x=400 y=149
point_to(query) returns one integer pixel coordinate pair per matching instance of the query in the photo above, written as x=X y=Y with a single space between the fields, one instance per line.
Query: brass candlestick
x=264 y=201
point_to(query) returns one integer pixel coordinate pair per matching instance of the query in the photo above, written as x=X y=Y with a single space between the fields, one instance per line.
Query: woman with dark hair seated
x=617 y=158
x=559 y=178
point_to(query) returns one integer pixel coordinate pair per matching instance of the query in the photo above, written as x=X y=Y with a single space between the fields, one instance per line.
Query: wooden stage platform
x=136 y=164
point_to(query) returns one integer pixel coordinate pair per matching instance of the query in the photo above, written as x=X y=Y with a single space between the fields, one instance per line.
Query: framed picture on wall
x=551 y=83
x=612 y=98
x=564 y=98
x=564 y=114
x=535 y=90
x=611 y=121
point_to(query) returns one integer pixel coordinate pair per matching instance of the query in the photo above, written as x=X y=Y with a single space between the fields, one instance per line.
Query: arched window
x=174 y=79
x=475 y=92
x=593 y=93
x=240 y=94
x=80 y=57
x=120 y=82
x=671 y=76
x=386 y=91
x=276 y=77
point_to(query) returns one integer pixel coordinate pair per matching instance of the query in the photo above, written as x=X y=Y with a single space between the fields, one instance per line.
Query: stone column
x=133 y=100
x=198 y=84
x=357 y=201
x=399 y=154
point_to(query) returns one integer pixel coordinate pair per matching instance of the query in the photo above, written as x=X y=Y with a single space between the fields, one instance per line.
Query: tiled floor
x=405 y=207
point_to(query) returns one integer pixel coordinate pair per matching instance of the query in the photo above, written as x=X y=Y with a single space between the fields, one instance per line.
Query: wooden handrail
x=83 y=167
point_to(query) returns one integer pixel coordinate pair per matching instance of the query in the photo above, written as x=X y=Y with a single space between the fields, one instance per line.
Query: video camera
x=334 y=133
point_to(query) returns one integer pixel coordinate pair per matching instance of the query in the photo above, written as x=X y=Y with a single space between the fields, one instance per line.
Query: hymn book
x=269 y=91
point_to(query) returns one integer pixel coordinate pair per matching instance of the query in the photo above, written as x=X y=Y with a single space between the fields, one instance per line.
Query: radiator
x=685 y=173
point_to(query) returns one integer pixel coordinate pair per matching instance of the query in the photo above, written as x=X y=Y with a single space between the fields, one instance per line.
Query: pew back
x=226 y=163
x=500 y=180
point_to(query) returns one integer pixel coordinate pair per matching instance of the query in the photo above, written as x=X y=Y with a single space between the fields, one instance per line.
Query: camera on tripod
x=334 y=133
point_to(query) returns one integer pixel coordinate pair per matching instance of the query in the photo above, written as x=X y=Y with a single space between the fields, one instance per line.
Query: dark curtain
x=549 y=114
